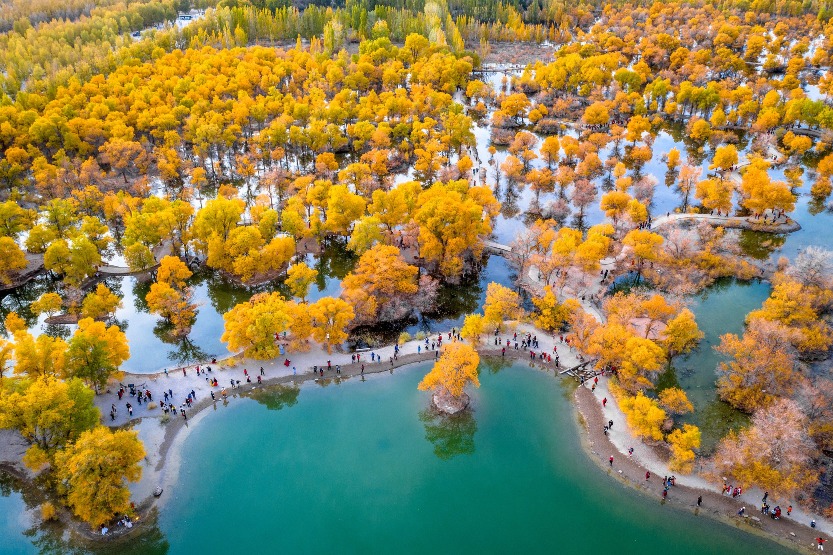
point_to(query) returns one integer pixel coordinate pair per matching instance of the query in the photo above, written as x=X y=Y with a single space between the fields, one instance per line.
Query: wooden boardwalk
x=580 y=371
x=495 y=246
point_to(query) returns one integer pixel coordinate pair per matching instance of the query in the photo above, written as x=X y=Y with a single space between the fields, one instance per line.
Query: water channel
x=357 y=465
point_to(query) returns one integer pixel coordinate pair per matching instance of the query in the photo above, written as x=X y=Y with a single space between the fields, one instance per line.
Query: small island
x=455 y=368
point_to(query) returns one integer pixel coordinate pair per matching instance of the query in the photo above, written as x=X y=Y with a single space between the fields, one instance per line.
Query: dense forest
x=255 y=133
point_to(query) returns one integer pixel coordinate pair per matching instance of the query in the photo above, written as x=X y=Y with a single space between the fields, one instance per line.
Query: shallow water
x=362 y=467
x=720 y=309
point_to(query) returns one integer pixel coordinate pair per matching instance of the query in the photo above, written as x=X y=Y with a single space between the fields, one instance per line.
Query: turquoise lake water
x=363 y=467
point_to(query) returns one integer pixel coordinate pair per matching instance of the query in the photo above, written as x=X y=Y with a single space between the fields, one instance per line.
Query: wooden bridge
x=499 y=248
x=580 y=371
x=506 y=70
x=814 y=133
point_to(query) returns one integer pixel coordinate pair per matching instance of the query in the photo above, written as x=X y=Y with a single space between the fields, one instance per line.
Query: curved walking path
x=160 y=436
x=782 y=224
x=159 y=253
x=34 y=264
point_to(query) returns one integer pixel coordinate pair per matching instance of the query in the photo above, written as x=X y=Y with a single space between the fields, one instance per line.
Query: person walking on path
x=611 y=460
x=820 y=542
x=700 y=501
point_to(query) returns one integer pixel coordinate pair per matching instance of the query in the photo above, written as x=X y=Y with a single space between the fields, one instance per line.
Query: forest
x=261 y=132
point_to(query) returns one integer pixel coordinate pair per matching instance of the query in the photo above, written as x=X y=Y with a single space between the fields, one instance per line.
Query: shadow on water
x=187 y=351
x=451 y=435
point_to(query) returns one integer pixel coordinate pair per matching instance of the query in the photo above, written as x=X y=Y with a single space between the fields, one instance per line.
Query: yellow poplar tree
x=330 y=318
x=48 y=303
x=12 y=259
x=100 y=303
x=251 y=326
x=473 y=327
x=96 y=351
x=298 y=278
x=49 y=413
x=456 y=368
x=96 y=468
x=683 y=443
x=644 y=415
x=42 y=356
x=550 y=315
x=675 y=401
x=501 y=304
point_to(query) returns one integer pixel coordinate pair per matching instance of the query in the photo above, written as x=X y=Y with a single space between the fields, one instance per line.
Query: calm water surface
x=362 y=467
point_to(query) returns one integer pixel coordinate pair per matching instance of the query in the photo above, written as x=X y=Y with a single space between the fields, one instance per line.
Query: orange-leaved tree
x=775 y=453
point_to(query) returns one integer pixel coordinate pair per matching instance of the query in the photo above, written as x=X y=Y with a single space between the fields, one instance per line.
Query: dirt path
x=782 y=224
x=789 y=531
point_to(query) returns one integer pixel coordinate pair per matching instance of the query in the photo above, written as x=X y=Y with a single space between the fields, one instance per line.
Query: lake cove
x=365 y=467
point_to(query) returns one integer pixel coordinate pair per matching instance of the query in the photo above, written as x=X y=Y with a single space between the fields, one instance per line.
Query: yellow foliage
x=298 y=278
x=42 y=356
x=251 y=326
x=49 y=414
x=675 y=401
x=644 y=415
x=683 y=443
x=501 y=304
x=48 y=303
x=456 y=367
x=473 y=327
x=100 y=303
x=48 y=512
x=551 y=315
x=12 y=259
x=96 y=351
x=330 y=318
x=95 y=470
x=173 y=271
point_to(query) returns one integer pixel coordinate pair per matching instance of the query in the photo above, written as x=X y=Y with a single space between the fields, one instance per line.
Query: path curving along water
x=781 y=225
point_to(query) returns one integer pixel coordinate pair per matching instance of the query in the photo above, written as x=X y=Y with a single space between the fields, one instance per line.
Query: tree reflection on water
x=54 y=538
x=451 y=435
x=276 y=397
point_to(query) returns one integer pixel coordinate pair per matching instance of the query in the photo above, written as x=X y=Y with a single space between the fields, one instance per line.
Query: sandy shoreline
x=167 y=439
x=599 y=447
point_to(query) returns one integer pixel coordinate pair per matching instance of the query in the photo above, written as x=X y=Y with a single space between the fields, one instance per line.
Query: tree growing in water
x=455 y=369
